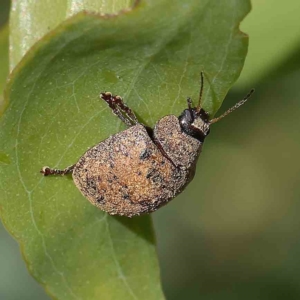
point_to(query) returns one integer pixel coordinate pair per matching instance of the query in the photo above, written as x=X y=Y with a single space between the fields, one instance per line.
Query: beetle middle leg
x=120 y=109
x=49 y=171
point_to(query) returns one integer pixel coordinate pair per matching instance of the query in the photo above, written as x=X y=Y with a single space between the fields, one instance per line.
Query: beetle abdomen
x=127 y=174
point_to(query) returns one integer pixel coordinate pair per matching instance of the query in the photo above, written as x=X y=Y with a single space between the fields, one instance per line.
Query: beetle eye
x=188 y=116
x=204 y=115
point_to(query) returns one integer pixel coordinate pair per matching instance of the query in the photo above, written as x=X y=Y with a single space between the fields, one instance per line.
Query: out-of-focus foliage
x=273 y=27
x=240 y=239
x=4 y=11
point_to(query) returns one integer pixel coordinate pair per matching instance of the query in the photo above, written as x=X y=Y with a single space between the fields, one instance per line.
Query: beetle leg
x=118 y=113
x=48 y=171
x=120 y=109
x=189 y=103
x=163 y=152
x=124 y=108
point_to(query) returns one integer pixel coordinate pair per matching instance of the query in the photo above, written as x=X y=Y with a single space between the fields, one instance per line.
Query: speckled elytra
x=138 y=170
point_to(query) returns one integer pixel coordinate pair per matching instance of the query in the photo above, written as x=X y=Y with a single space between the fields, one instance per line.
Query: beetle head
x=195 y=124
x=195 y=121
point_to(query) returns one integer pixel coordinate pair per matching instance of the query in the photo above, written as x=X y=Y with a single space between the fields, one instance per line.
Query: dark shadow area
x=142 y=226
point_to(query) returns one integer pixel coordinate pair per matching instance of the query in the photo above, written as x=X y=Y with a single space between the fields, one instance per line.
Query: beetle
x=140 y=169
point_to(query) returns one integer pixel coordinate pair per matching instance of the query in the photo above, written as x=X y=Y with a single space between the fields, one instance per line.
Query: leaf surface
x=29 y=22
x=151 y=55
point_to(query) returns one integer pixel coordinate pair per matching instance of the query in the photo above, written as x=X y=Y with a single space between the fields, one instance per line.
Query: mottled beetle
x=138 y=170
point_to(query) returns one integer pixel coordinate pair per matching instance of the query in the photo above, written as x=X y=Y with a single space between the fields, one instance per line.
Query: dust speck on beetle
x=146 y=153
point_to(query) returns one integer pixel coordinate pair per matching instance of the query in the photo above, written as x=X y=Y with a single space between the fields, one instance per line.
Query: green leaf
x=29 y=24
x=152 y=55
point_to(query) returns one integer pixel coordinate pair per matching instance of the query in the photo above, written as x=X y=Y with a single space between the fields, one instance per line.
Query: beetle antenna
x=201 y=92
x=230 y=110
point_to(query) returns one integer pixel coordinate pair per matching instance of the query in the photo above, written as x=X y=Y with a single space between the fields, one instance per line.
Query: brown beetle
x=138 y=170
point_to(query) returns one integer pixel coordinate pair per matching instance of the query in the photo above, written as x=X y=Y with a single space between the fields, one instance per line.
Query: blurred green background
x=240 y=240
